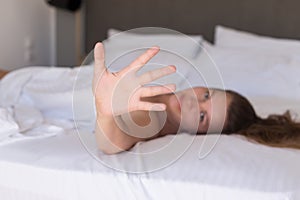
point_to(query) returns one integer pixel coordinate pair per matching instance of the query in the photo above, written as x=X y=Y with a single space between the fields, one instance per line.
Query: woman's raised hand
x=121 y=92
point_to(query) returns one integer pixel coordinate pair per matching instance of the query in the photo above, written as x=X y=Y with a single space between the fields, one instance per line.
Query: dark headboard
x=277 y=18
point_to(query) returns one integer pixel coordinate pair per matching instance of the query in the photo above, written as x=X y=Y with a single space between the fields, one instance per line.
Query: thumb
x=99 y=59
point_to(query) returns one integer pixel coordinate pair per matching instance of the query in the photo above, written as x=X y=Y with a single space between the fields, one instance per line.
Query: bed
x=48 y=149
x=53 y=158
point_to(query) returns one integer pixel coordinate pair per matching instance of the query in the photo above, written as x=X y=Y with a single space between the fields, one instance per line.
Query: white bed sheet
x=59 y=167
x=51 y=162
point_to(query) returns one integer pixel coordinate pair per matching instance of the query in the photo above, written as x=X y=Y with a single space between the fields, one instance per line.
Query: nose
x=191 y=102
x=188 y=104
x=204 y=104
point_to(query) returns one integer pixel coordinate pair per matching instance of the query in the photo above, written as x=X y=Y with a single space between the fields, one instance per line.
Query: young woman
x=129 y=111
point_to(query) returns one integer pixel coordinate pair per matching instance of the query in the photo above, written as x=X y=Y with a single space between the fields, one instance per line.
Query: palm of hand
x=121 y=92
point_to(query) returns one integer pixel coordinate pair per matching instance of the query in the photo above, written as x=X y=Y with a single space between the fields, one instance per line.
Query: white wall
x=27 y=35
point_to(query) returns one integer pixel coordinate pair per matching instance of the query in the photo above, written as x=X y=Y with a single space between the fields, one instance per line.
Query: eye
x=206 y=95
x=202 y=115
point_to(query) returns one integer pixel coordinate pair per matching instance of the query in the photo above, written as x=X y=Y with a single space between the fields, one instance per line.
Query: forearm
x=110 y=138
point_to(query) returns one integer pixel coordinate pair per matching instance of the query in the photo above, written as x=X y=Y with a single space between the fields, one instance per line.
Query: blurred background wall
x=27 y=34
x=36 y=34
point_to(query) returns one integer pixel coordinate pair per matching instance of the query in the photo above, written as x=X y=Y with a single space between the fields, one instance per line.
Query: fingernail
x=155 y=47
x=173 y=67
x=98 y=44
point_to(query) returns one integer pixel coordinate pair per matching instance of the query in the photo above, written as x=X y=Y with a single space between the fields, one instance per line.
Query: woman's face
x=199 y=109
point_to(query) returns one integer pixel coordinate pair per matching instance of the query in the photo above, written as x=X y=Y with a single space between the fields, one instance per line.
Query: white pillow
x=186 y=75
x=254 y=74
x=227 y=37
x=111 y=32
x=125 y=42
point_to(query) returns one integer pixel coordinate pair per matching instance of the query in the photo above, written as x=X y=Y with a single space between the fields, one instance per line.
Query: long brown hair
x=275 y=130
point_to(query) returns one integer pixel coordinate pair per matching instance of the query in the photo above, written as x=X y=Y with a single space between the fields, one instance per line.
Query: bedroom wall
x=27 y=34
x=69 y=37
x=275 y=18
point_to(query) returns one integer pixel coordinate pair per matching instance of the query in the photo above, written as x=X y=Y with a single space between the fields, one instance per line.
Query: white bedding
x=61 y=168
x=46 y=158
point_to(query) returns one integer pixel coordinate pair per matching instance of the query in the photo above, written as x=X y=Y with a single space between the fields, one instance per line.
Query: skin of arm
x=116 y=140
x=109 y=137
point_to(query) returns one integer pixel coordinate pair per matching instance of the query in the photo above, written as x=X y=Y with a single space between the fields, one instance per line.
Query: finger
x=142 y=59
x=156 y=74
x=99 y=59
x=147 y=106
x=157 y=90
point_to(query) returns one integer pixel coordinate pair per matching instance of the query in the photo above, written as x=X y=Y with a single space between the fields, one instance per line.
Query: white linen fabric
x=61 y=168
x=127 y=43
x=111 y=32
x=37 y=101
x=228 y=37
x=252 y=73
x=8 y=124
